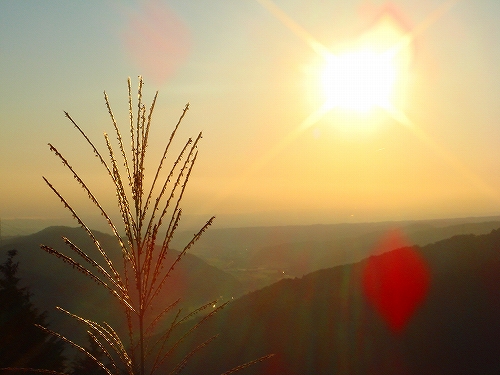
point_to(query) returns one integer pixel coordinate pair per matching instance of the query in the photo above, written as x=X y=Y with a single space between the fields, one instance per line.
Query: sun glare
x=359 y=80
x=370 y=73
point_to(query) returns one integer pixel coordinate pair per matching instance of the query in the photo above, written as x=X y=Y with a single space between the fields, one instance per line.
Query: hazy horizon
x=249 y=70
x=23 y=227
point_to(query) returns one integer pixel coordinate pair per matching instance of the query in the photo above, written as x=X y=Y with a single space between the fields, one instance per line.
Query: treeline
x=323 y=323
x=23 y=343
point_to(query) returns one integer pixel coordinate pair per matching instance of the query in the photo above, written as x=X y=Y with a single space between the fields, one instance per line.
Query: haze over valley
x=270 y=186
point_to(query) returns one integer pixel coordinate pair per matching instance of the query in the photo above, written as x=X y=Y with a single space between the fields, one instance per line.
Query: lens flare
x=157 y=41
x=396 y=281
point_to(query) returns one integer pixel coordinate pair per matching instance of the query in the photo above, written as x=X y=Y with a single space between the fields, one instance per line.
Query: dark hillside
x=262 y=255
x=54 y=283
x=322 y=323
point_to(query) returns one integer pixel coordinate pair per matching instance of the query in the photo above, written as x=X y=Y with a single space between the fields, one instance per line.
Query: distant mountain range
x=320 y=322
x=325 y=323
x=54 y=283
x=260 y=256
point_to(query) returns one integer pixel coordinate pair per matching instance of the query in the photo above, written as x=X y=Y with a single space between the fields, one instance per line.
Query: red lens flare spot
x=275 y=365
x=396 y=281
x=371 y=14
x=157 y=41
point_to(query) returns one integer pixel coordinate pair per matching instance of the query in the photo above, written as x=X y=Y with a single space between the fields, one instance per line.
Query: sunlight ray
x=394 y=112
x=249 y=173
x=298 y=30
x=325 y=53
x=433 y=17
x=447 y=156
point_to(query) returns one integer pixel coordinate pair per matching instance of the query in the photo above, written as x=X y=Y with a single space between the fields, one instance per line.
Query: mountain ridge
x=53 y=283
x=259 y=256
x=323 y=323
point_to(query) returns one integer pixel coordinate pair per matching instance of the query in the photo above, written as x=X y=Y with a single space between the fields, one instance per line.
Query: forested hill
x=324 y=323
x=260 y=256
x=54 y=283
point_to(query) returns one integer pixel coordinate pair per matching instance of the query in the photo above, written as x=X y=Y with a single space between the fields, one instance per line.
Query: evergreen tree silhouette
x=84 y=365
x=22 y=344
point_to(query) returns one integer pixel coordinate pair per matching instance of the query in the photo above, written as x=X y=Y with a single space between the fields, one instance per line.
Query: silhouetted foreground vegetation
x=54 y=284
x=22 y=343
x=84 y=365
x=150 y=212
x=322 y=323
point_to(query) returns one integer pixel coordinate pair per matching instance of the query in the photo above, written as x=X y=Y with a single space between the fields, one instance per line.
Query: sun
x=360 y=80
x=370 y=73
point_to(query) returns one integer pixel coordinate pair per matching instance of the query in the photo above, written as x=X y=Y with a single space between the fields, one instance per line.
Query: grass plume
x=137 y=283
x=145 y=211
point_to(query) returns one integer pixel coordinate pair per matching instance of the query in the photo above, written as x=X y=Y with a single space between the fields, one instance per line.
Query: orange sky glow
x=311 y=112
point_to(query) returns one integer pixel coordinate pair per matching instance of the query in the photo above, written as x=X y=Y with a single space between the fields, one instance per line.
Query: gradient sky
x=249 y=79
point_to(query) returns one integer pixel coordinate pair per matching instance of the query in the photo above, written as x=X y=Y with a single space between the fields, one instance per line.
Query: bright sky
x=277 y=148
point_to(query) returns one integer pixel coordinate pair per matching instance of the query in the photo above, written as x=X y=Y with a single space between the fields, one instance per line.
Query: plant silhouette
x=85 y=365
x=150 y=215
x=21 y=342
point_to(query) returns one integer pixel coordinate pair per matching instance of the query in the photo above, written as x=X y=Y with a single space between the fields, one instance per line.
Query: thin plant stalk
x=138 y=284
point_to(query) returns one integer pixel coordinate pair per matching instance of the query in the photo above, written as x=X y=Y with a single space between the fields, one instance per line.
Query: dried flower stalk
x=138 y=285
x=144 y=274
